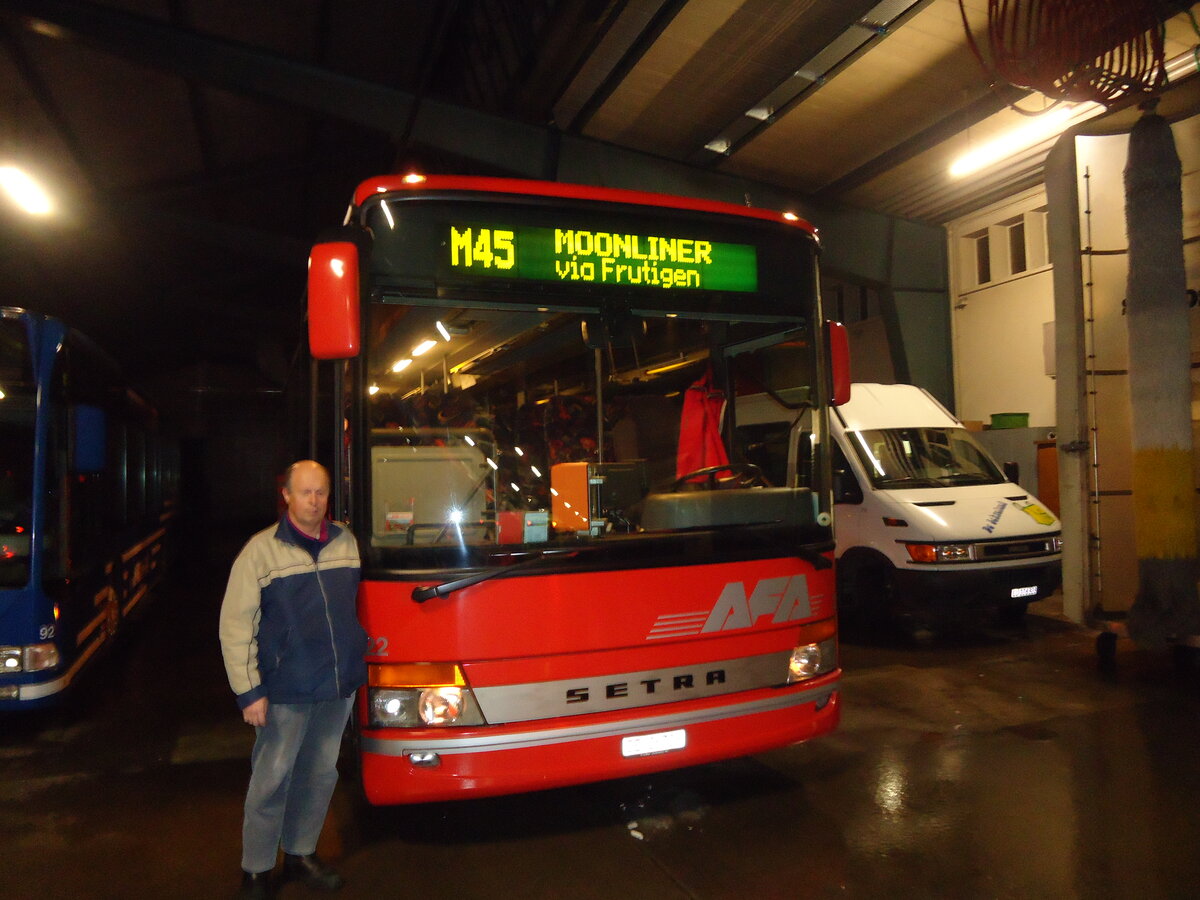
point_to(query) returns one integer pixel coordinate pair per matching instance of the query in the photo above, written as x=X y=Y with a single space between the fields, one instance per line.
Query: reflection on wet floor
x=982 y=762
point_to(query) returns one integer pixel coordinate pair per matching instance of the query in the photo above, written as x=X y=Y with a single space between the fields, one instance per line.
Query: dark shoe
x=255 y=886
x=311 y=872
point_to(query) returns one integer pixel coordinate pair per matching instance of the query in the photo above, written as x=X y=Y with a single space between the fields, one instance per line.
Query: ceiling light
x=24 y=191
x=762 y=113
x=718 y=145
x=423 y=347
x=667 y=367
x=1029 y=134
x=443 y=332
x=373 y=390
x=401 y=364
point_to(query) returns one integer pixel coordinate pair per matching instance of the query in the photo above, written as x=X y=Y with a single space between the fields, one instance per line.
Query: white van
x=927 y=524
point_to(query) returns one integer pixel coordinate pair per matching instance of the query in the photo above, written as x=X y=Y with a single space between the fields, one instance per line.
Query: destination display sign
x=573 y=255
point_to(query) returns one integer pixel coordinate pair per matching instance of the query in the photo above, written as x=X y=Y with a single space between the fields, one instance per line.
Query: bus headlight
x=810 y=660
x=441 y=705
x=392 y=708
x=30 y=658
x=420 y=695
x=40 y=656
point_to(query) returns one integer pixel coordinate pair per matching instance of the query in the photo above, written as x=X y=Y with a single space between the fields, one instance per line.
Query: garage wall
x=1003 y=312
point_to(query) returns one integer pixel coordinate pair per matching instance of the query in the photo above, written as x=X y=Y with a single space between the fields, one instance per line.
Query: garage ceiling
x=196 y=147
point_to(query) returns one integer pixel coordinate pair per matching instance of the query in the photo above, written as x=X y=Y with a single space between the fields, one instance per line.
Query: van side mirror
x=333 y=300
x=837 y=341
x=1012 y=471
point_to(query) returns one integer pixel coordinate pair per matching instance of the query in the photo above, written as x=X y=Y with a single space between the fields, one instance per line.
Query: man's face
x=307 y=497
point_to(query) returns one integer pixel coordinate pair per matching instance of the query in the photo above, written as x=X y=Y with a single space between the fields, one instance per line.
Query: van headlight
x=418 y=695
x=940 y=553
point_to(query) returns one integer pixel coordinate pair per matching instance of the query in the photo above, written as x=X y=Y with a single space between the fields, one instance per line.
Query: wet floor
x=989 y=763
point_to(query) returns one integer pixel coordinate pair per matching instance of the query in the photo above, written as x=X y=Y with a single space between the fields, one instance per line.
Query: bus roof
x=420 y=183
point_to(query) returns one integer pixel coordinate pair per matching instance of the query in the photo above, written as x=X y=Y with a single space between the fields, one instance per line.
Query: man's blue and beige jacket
x=289 y=630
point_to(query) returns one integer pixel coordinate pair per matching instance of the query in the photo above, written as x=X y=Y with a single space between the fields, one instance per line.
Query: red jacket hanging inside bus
x=700 y=444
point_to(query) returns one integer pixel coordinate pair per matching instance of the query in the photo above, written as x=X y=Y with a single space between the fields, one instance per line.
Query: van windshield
x=899 y=458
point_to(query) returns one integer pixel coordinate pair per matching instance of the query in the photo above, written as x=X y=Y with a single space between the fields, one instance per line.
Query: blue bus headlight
x=40 y=656
x=30 y=658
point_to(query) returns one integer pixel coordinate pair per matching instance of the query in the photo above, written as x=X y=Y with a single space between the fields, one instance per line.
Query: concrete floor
x=985 y=764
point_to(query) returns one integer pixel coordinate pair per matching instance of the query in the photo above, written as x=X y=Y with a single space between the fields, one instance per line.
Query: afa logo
x=783 y=599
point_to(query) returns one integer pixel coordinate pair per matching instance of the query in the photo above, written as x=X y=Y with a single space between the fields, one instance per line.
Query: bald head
x=306 y=493
x=304 y=465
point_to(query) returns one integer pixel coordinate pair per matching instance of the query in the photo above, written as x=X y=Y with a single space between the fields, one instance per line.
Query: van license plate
x=1030 y=591
x=645 y=744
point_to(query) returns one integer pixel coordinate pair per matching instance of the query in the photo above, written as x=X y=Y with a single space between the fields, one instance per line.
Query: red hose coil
x=1075 y=50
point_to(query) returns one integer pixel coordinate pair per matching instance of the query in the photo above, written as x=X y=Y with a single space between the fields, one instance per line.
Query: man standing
x=294 y=654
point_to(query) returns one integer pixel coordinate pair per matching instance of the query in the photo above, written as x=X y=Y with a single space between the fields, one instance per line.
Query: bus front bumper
x=435 y=765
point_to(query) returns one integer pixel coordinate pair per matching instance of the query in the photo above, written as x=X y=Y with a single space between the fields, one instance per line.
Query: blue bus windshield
x=17 y=396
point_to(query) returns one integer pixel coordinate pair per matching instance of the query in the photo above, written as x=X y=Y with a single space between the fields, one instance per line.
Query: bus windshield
x=544 y=373
x=501 y=426
x=17 y=395
x=899 y=458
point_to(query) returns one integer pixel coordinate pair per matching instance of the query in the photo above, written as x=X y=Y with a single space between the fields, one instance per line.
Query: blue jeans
x=292 y=776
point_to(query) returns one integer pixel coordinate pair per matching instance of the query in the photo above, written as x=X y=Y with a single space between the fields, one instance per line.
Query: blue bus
x=88 y=489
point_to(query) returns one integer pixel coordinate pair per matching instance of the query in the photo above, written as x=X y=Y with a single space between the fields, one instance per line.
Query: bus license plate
x=661 y=742
x=1030 y=591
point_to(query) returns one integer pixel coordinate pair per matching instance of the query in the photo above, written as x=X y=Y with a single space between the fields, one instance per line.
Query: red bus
x=577 y=563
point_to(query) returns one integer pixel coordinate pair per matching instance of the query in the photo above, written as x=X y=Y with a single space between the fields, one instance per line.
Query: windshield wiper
x=446 y=588
x=909 y=480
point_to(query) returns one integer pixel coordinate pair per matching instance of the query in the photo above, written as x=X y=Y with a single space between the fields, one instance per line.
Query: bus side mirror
x=90 y=439
x=333 y=304
x=1012 y=471
x=838 y=342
